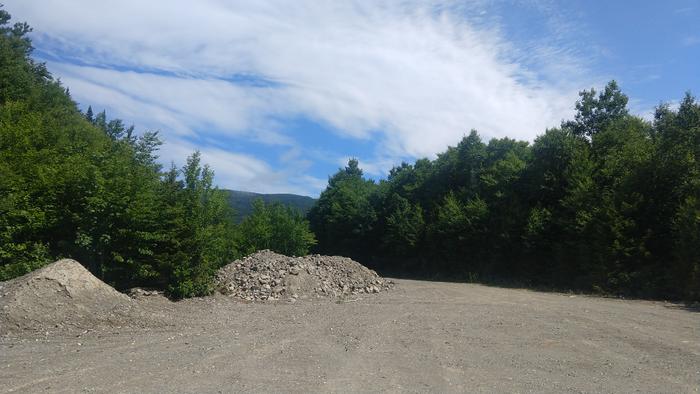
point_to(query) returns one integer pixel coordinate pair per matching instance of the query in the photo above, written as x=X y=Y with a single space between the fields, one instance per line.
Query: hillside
x=242 y=202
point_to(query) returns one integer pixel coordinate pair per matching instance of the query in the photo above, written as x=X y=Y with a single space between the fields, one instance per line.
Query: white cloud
x=244 y=172
x=376 y=168
x=182 y=104
x=413 y=76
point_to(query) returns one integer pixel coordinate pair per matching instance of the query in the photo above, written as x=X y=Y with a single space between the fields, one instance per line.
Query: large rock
x=266 y=275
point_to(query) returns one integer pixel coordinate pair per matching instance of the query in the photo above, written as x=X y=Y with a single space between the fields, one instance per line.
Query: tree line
x=607 y=202
x=83 y=186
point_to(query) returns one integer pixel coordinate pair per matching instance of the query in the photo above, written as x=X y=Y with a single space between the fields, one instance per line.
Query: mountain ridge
x=242 y=201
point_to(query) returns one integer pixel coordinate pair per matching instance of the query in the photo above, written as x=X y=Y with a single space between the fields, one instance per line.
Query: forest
x=82 y=186
x=607 y=202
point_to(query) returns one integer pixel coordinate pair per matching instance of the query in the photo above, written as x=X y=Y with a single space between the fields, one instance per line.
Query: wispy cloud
x=684 y=10
x=689 y=41
x=412 y=76
x=245 y=171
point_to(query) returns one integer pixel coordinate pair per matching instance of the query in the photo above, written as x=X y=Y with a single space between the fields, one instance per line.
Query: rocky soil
x=63 y=330
x=66 y=297
x=419 y=337
x=60 y=294
x=269 y=276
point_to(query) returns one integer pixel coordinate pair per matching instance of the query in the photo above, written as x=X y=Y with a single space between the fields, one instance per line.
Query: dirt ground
x=418 y=337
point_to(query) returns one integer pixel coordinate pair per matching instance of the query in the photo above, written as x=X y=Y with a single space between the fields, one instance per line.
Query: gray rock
x=265 y=275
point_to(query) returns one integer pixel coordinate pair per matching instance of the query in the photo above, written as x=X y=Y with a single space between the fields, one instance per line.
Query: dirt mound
x=62 y=296
x=266 y=275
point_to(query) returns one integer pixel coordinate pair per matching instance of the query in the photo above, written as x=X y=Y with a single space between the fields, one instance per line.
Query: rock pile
x=266 y=275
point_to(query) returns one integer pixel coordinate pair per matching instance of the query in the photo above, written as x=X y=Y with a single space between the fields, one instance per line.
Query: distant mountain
x=242 y=202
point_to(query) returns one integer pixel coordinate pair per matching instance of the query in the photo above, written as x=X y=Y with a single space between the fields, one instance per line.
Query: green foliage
x=277 y=227
x=199 y=235
x=608 y=202
x=405 y=226
x=343 y=218
x=594 y=114
x=86 y=187
x=685 y=271
x=458 y=231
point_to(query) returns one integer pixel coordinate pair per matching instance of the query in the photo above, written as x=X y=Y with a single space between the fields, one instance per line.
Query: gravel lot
x=418 y=337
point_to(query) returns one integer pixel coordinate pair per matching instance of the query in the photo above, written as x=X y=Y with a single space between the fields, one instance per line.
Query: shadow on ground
x=690 y=307
x=514 y=283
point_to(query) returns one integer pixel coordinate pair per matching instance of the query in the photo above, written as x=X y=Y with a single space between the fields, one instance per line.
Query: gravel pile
x=266 y=275
x=64 y=296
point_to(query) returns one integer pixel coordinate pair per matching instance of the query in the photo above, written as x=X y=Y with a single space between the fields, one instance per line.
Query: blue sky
x=277 y=95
